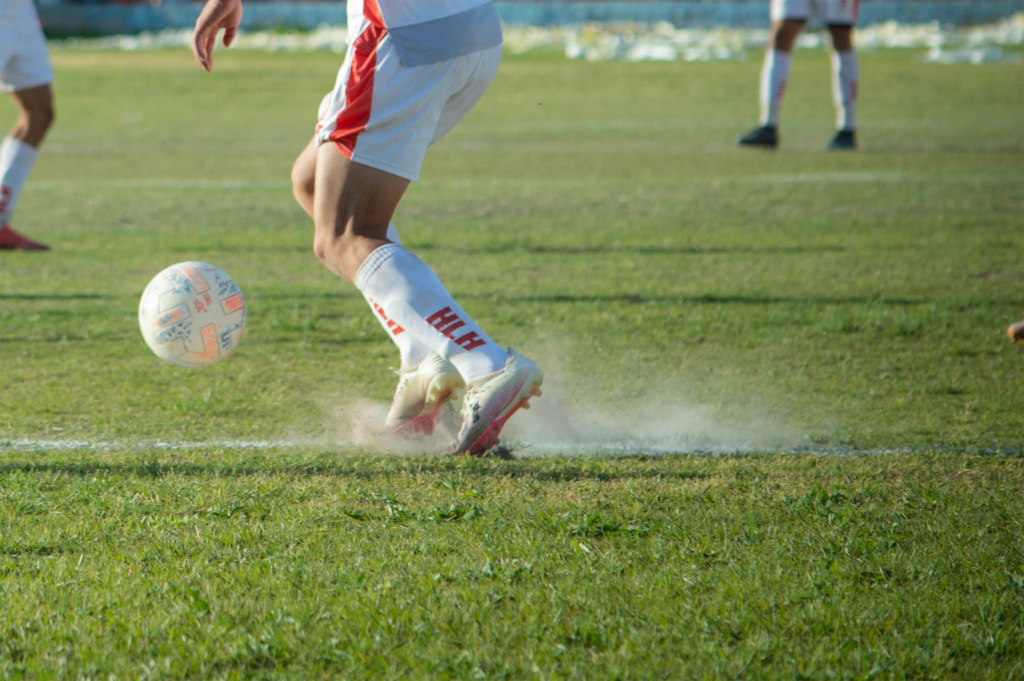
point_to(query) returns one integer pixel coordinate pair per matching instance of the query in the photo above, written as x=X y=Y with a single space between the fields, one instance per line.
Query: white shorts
x=842 y=12
x=384 y=115
x=24 y=59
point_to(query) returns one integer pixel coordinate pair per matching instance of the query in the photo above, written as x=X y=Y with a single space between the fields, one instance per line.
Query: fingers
x=217 y=14
x=211 y=41
x=200 y=50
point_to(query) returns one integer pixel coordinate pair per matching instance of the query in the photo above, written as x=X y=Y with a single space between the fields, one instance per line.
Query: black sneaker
x=764 y=137
x=845 y=140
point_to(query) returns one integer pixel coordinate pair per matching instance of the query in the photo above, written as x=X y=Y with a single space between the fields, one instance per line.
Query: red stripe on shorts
x=371 y=10
x=352 y=119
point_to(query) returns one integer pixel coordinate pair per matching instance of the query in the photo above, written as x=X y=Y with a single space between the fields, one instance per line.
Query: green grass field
x=683 y=296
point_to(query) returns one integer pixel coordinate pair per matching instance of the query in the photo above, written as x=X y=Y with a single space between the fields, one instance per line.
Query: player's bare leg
x=353 y=206
x=778 y=61
x=395 y=111
x=845 y=82
x=17 y=155
x=426 y=381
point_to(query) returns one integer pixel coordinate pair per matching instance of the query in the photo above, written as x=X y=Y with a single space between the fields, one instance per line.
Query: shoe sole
x=490 y=437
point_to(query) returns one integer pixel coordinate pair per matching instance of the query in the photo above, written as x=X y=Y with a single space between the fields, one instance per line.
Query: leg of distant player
x=778 y=61
x=845 y=81
x=17 y=155
x=353 y=206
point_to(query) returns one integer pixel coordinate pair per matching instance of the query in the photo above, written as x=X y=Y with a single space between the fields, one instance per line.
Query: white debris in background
x=980 y=55
x=657 y=42
x=640 y=42
x=323 y=38
x=663 y=42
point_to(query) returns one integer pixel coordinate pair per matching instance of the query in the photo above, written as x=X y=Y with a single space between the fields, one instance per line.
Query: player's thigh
x=352 y=199
x=304 y=177
x=304 y=168
x=479 y=69
x=25 y=60
x=785 y=33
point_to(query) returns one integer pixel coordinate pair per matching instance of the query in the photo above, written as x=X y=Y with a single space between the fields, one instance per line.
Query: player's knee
x=331 y=244
x=321 y=247
x=302 y=177
x=40 y=118
x=781 y=43
x=302 y=186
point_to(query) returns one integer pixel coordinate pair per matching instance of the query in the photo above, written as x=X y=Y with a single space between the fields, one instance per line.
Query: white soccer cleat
x=491 y=400
x=421 y=393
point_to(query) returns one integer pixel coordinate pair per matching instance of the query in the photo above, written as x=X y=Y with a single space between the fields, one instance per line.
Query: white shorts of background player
x=24 y=59
x=841 y=12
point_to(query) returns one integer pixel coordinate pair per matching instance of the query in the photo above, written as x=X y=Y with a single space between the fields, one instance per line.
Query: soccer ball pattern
x=192 y=314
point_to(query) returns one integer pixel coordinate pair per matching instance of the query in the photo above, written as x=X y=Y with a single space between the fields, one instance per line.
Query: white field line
x=25 y=445
x=30 y=445
x=159 y=184
x=521 y=450
x=815 y=178
x=175 y=184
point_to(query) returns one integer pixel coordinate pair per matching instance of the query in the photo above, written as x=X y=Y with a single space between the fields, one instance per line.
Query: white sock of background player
x=410 y=295
x=16 y=159
x=774 y=78
x=845 y=76
x=412 y=350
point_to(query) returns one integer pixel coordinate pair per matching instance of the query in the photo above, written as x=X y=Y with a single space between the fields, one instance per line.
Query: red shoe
x=1016 y=332
x=11 y=240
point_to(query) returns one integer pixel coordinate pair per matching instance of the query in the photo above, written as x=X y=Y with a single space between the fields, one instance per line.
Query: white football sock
x=16 y=159
x=774 y=78
x=412 y=351
x=414 y=299
x=845 y=76
x=6 y=151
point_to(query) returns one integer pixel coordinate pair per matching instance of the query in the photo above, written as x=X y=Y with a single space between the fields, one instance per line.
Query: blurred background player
x=412 y=72
x=25 y=73
x=1016 y=332
x=788 y=20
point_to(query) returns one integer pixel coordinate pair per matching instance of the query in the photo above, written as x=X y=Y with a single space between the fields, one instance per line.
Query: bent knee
x=321 y=247
x=302 y=181
x=302 y=187
x=330 y=246
x=41 y=118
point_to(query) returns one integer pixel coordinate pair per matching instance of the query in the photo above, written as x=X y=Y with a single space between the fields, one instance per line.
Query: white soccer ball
x=192 y=314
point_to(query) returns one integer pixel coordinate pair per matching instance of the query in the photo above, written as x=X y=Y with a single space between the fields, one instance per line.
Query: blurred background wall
x=110 y=17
